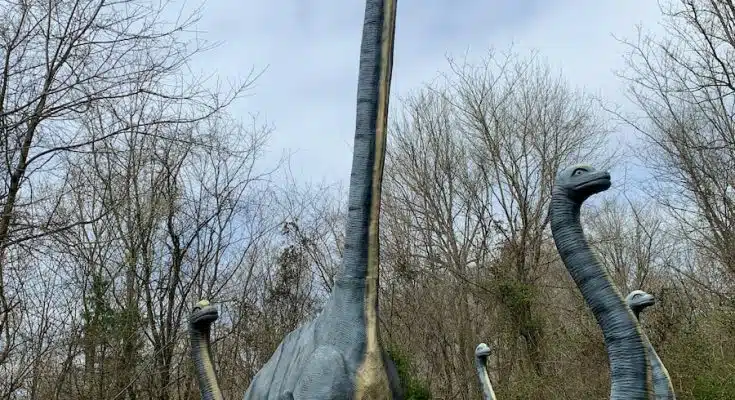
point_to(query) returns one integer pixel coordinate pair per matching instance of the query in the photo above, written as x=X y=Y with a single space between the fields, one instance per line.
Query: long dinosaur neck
x=485 y=385
x=201 y=354
x=358 y=281
x=629 y=373
x=359 y=275
x=663 y=389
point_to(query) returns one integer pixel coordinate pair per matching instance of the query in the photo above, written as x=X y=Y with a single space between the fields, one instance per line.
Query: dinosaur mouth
x=597 y=184
x=482 y=350
x=205 y=315
x=483 y=353
x=648 y=301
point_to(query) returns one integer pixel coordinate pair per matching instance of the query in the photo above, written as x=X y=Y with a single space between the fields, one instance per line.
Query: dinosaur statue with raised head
x=482 y=351
x=338 y=354
x=630 y=374
x=200 y=323
x=638 y=301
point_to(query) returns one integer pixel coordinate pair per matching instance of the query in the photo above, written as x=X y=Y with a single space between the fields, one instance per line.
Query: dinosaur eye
x=635 y=296
x=578 y=171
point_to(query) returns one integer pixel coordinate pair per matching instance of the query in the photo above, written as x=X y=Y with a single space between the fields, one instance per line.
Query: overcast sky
x=310 y=49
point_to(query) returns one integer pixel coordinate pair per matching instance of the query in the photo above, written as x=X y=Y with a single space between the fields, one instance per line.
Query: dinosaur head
x=581 y=181
x=482 y=350
x=203 y=314
x=638 y=300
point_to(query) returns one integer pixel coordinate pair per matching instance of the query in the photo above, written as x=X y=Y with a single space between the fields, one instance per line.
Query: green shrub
x=413 y=387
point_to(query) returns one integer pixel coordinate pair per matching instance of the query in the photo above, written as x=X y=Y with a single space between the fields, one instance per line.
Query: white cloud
x=311 y=50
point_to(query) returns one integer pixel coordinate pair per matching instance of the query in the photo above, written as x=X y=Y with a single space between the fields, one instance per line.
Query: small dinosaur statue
x=338 y=354
x=630 y=374
x=482 y=351
x=638 y=301
x=200 y=322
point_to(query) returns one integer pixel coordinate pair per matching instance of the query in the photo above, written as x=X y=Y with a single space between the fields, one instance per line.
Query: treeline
x=131 y=191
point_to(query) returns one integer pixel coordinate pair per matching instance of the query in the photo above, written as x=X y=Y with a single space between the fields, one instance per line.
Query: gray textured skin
x=629 y=370
x=482 y=351
x=330 y=357
x=638 y=301
x=200 y=322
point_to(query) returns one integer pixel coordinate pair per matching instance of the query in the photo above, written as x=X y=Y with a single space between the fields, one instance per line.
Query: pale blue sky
x=310 y=49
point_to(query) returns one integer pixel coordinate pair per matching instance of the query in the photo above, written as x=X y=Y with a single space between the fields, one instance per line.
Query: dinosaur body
x=338 y=354
x=200 y=321
x=638 y=301
x=629 y=369
x=482 y=351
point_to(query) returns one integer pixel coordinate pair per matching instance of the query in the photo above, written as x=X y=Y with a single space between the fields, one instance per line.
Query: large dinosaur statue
x=638 y=301
x=482 y=351
x=200 y=322
x=629 y=369
x=338 y=355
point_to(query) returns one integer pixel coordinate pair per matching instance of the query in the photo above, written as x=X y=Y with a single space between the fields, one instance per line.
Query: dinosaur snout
x=203 y=315
x=592 y=183
x=482 y=350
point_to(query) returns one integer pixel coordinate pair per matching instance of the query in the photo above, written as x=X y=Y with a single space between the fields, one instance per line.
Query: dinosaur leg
x=325 y=376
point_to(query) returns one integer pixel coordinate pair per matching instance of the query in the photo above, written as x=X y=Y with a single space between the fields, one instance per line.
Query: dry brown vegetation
x=129 y=193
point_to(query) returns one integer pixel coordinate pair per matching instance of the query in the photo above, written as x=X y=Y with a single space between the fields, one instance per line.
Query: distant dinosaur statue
x=630 y=374
x=482 y=351
x=200 y=322
x=638 y=301
x=338 y=354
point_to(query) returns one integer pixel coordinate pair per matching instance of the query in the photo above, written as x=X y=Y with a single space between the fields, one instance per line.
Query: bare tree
x=471 y=163
x=524 y=123
x=317 y=216
x=632 y=242
x=60 y=60
x=682 y=84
